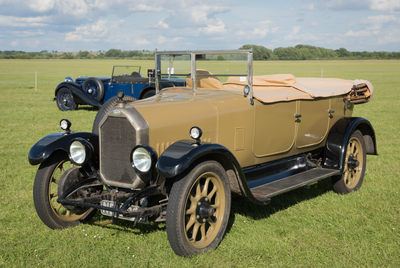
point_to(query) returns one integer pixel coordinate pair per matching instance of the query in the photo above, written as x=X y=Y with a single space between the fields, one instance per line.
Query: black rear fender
x=339 y=136
x=57 y=142
x=79 y=96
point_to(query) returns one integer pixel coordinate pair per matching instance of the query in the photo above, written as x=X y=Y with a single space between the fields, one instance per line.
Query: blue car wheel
x=65 y=100
x=94 y=87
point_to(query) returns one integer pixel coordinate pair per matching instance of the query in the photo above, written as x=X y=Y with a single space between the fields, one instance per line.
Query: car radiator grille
x=117 y=139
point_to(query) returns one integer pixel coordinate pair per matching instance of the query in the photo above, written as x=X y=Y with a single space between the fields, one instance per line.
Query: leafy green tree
x=260 y=52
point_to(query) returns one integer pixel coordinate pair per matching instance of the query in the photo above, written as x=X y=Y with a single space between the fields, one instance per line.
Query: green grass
x=311 y=226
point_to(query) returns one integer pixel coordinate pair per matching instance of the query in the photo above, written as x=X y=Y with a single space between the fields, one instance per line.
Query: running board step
x=268 y=190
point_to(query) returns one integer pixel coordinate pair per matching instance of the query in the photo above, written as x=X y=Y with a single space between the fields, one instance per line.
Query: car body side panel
x=227 y=118
x=132 y=90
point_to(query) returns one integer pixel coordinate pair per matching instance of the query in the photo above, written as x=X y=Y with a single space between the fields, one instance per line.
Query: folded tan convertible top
x=285 y=87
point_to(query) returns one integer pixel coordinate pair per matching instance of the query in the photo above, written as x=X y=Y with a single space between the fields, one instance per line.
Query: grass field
x=311 y=226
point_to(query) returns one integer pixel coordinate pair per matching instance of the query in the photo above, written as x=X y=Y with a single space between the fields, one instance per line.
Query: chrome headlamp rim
x=68 y=79
x=150 y=154
x=80 y=151
x=195 y=133
x=65 y=124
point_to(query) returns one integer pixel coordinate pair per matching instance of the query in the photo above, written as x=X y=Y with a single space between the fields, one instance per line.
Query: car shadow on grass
x=87 y=108
x=242 y=206
x=126 y=226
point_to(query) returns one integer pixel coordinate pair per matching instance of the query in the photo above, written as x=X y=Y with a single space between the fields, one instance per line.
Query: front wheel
x=65 y=100
x=45 y=194
x=198 y=209
x=354 y=165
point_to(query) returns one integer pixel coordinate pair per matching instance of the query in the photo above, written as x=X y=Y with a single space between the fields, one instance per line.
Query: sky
x=74 y=25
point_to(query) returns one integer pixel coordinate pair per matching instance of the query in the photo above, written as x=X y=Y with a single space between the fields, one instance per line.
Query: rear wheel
x=354 y=165
x=94 y=87
x=65 y=100
x=198 y=209
x=45 y=194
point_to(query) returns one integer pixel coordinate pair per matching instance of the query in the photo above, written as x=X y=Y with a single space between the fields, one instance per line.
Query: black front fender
x=180 y=156
x=77 y=91
x=59 y=141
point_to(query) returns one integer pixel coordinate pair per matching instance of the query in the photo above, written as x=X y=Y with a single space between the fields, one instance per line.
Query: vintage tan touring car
x=178 y=156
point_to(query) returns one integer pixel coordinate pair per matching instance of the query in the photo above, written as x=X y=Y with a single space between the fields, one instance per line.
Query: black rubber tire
x=94 y=87
x=339 y=184
x=41 y=199
x=105 y=108
x=148 y=93
x=65 y=100
x=177 y=210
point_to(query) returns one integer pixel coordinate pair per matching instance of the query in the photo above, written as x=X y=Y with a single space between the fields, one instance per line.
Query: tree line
x=298 y=52
x=111 y=53
x=307 y=52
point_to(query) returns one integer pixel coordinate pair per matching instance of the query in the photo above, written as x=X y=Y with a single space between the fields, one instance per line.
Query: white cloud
x=88 y=33
x=11 y=21
x=298 y=37
x=385 y=5
x=378 y=5
x=262 y=28
x=162 y=25
x=374 y=26
x=41 y=5
x=142 y=41
x=214 y=27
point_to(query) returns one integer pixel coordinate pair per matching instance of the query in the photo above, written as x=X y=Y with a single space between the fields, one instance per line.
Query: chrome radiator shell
x=119 y=132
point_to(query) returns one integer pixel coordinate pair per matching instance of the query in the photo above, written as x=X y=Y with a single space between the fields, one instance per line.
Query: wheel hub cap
x=352 y=163
x=204 y=210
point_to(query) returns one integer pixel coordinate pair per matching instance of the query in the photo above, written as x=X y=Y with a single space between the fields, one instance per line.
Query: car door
x=275 y=128
x=313 y=123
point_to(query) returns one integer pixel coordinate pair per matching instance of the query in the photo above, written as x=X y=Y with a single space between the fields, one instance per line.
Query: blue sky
x=73 y=25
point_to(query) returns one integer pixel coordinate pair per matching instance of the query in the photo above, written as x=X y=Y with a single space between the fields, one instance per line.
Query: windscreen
x=125 y=70
x=213 y=69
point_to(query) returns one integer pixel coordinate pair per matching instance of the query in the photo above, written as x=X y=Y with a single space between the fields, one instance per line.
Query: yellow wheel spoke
x=190 y=223
x=203 y=231
x=192 y=209
x=195 y=230
x=211 y=194
x=198 y=191
x=216 y=205
x=68 y=212
x=205 y=187
x=58 y=207
x=352 y=148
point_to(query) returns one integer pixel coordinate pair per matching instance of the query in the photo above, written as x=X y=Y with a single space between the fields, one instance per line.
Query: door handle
x=330 y=111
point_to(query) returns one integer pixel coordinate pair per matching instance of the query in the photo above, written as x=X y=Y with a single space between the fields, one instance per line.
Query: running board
x=268 y=190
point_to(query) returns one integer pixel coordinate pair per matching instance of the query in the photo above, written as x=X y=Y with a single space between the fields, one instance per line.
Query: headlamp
x=80 y=151
x=142 y=158
x=65 y=125
x=195 y=133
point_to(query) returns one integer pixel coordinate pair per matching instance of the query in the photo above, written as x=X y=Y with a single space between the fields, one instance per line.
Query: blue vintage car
x=95 y=91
